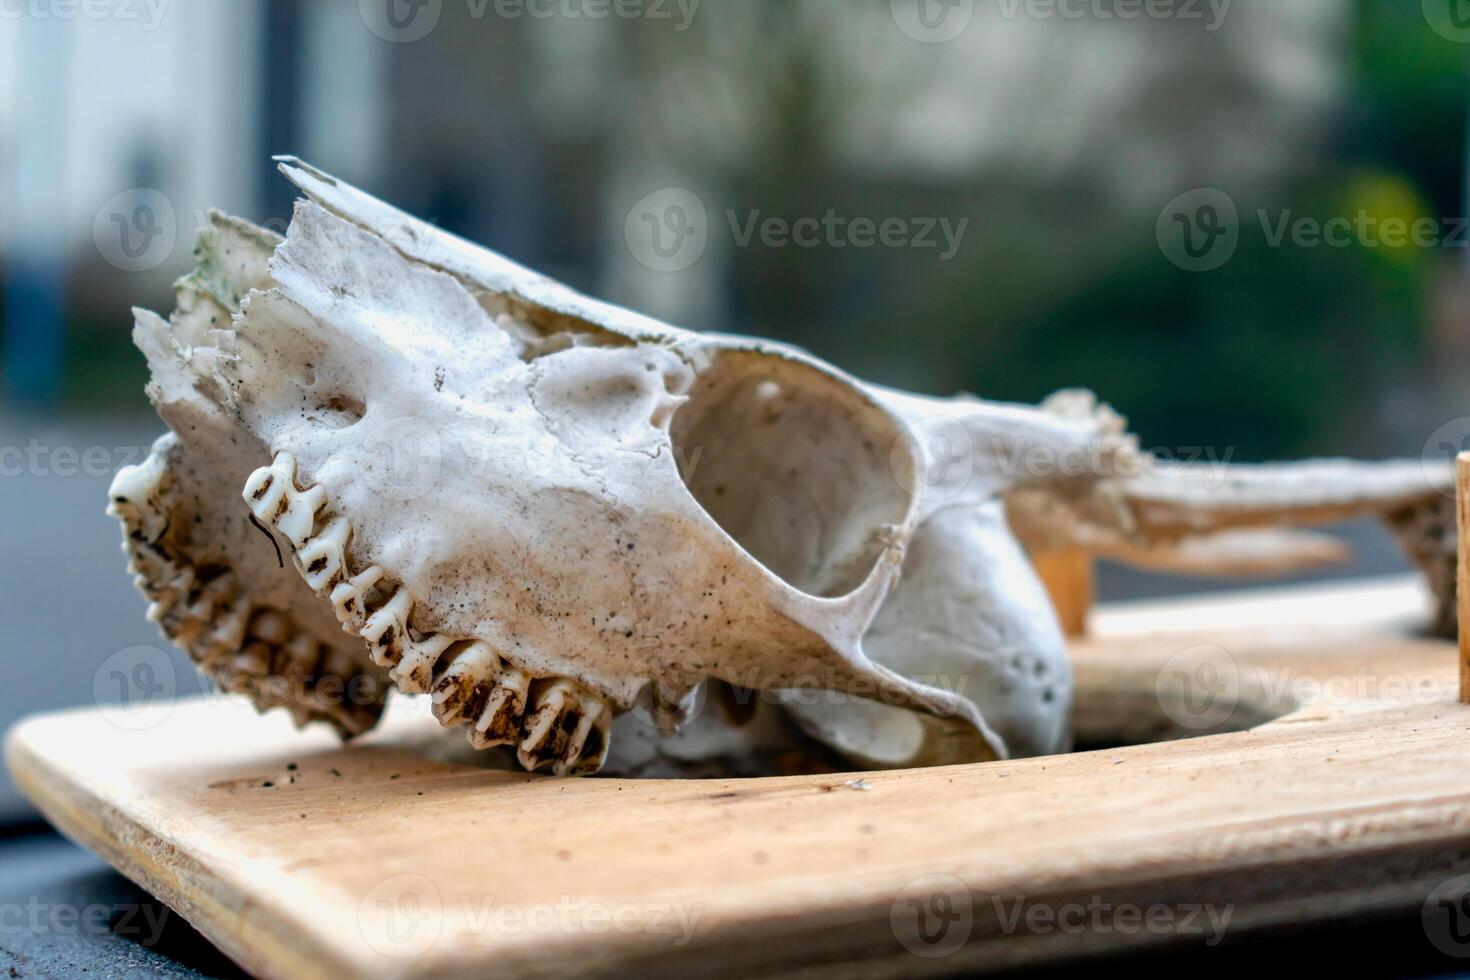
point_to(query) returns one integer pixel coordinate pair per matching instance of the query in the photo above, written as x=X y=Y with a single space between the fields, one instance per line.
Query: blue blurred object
x=35 y=306
x=35 y=241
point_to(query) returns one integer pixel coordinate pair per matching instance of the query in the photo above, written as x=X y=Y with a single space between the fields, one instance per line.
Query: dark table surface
x=64 y=913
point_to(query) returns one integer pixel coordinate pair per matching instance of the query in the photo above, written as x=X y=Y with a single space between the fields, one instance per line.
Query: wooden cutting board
x=303 y=858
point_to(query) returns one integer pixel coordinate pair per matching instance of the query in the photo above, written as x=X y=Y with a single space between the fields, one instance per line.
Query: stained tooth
x=251 y=662
x=133 y=492
x=215 y=592
x=355 y=718
x=300 y=656
x=226 y=636
x=589 y=747
x=386 y=627
x=349 y=597
x=465 y=685
x=184 y=629
x=468 y=683
x=270 y=626
x=415 y=669
x=300 y=514
x=500 y=720
x=253 y=650
x=231 y=627
x=321 y=558
x=549 y=726
x=162 y=605
x=267 y=486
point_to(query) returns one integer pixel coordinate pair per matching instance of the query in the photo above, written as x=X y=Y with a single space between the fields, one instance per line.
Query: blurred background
x=1241 y=223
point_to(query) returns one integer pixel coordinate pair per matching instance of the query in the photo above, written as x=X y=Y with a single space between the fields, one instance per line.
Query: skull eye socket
x=794 y=465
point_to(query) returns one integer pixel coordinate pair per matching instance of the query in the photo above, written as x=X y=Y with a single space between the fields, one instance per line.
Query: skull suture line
x=477 y=473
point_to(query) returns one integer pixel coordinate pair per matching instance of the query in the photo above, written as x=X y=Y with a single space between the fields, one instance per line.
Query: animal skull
x=544 y=511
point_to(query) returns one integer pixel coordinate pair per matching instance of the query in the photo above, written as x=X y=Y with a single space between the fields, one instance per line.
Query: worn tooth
x=300 y=514
x=270 y=626
x=216 y=592
x=134 y=494
x=414 y=671
x=259 y=652
x=353 y=717
x=270 y=690
x=349 y=598
x=357 y=699
x=385 y=627
x=163 y=604
x=227 y=634
x=500 y=720
x=464 y=687
x=591 y=752
x=251 y=662
x=299 y=657
x=266 y=488
x=321 y=557
x=547 y=729
x=231 y=628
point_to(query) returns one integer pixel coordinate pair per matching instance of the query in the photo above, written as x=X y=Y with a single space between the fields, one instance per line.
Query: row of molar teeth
x=553 y=722
x=247 y=650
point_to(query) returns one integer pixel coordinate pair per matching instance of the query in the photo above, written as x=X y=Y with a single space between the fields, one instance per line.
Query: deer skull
x=543 y=511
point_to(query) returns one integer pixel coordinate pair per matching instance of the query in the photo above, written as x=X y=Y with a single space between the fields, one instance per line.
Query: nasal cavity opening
x=798 y=467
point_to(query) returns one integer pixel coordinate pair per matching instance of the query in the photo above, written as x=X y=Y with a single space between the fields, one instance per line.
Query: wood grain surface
x=301 y=858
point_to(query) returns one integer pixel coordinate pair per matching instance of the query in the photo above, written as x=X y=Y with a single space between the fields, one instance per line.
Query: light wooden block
x=302 y=858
